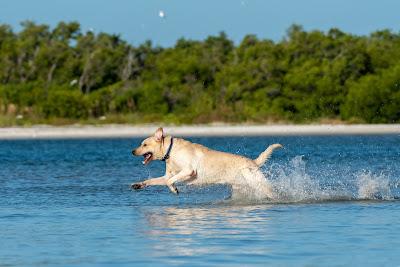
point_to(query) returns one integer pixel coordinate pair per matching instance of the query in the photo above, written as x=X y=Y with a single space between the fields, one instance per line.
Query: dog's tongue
x=147 y=158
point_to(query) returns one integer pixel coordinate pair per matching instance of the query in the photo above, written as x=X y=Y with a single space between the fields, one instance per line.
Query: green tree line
x=65 y=73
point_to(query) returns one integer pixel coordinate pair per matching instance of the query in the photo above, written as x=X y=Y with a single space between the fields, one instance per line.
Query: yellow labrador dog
x=191 y=163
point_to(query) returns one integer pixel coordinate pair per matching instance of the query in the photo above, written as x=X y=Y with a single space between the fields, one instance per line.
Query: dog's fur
x=195 y=164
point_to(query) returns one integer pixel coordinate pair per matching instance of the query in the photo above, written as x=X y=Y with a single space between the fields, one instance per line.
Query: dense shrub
x=65 y=104
x=375 y=98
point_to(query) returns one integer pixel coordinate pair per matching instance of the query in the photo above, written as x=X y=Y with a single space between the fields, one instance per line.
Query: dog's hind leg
x=254 y=185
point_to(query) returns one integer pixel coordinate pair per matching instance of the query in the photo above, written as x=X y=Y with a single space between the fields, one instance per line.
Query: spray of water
x=292 y=184
x=373 y=186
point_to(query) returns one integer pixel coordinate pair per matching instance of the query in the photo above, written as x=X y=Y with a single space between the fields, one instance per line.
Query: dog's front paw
x=173 y=189
x=138 y=186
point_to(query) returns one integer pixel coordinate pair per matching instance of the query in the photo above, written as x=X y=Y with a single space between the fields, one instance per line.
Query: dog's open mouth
x=147 y=157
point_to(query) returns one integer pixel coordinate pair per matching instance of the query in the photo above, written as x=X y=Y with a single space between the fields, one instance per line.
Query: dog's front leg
x=154 y=181
x=179 y=177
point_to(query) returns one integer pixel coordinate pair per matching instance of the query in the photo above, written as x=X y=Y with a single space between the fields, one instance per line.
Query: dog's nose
x=133 y=152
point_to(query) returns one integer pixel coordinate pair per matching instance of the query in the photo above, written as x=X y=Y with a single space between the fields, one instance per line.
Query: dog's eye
x=144 y=144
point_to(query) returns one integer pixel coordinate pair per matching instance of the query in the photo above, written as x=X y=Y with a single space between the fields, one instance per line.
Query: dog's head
x=151 y=147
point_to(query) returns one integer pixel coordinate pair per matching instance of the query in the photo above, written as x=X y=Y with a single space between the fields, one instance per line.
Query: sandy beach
x=124 y=131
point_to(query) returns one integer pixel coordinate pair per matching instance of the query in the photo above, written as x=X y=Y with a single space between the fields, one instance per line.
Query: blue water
x=68 y=203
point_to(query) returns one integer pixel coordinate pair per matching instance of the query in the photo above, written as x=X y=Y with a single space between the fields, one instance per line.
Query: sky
x=137 y=21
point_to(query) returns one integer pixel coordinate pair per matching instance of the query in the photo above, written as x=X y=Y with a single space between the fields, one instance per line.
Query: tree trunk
x=20 y=68
x=32 y=63
x=127 y=70
x=50 y=73
x=84 y=79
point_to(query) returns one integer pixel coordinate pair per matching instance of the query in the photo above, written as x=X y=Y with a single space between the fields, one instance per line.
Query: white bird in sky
x=161 y=14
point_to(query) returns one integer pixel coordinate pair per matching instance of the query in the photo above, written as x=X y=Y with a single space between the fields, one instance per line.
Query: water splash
x=293 y=184
x=372 y=186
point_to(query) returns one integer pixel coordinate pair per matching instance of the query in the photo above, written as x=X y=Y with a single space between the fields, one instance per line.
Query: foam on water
x=292 y=184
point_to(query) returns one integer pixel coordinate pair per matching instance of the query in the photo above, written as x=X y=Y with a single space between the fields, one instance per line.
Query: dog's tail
x=264 y=156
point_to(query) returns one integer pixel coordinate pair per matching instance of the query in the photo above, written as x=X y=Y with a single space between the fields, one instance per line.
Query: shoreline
x=127 y=131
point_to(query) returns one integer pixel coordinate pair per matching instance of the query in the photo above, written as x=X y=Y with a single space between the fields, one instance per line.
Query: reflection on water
x=185 y=230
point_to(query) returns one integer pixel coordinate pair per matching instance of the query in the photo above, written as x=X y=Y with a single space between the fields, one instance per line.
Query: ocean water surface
x=68 y=203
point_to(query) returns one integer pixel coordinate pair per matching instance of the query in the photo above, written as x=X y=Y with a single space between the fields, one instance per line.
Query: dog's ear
x=159 y=134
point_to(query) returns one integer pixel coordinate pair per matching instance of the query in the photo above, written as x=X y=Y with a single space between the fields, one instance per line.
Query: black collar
x=168 y=150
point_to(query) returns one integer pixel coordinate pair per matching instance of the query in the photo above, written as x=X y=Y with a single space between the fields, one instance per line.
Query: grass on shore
x=26 y=121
